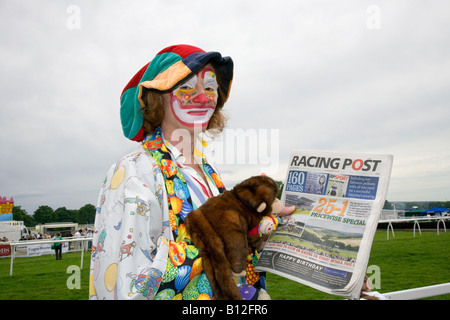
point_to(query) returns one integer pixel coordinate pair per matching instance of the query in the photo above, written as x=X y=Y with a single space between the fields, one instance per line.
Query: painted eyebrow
x=207 y=70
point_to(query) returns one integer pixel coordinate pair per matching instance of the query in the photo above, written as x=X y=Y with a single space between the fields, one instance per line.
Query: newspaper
x=326 y=242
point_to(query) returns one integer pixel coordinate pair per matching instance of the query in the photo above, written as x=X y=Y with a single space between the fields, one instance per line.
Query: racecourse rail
x=416 y=223
x=83 y=241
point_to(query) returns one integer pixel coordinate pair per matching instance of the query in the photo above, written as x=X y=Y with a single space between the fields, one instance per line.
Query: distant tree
x=388 y=205
x=86 y=214
x=74 y=215
x=441 y=204
x=20 y=214
x=64 y=215
x=44 y=214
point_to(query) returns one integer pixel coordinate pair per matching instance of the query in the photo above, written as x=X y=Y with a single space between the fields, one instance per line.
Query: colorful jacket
x=132 y=231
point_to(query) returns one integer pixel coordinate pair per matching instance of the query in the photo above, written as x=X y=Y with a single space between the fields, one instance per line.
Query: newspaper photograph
x=325 y=243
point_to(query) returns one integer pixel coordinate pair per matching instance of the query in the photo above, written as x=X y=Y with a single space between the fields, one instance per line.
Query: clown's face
x=194 y=101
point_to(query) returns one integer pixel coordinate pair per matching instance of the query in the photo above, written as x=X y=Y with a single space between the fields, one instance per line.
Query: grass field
x=405 y=262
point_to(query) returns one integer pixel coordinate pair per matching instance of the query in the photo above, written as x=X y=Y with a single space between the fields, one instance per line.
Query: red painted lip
x=198 y=107
x=197 y=112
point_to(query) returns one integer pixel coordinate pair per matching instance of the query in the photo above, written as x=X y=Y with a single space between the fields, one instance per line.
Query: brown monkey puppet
x=220 y=227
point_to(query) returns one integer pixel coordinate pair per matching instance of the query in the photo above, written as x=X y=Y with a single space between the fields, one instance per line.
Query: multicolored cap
x=171 y=66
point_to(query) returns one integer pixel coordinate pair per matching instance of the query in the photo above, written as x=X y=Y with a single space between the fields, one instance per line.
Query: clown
x=175 y=97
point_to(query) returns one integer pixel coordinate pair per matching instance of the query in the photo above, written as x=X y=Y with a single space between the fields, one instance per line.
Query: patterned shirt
x=132 y=233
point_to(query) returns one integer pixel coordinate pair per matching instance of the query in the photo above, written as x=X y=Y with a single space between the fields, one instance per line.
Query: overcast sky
x=364 y=76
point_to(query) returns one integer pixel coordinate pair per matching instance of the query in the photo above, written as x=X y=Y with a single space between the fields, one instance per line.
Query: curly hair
x=153 y=112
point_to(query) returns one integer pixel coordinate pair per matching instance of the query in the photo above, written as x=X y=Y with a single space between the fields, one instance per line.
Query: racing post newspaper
x=326 y=242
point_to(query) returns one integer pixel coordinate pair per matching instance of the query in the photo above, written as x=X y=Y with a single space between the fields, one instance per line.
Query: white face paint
x=194 y=102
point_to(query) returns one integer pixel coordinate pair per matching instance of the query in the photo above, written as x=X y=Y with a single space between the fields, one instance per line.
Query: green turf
x=405 y=262
x=43 y=278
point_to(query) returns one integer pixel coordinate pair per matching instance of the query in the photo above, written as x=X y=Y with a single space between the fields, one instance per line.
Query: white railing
x=83 y=241
x=416 y=223
x=419 y=293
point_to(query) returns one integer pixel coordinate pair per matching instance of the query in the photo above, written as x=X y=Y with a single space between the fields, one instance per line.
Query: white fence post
x=82 y=254
x=392 y=229
x=13 y=253
x=445 y=228
x=416 y=223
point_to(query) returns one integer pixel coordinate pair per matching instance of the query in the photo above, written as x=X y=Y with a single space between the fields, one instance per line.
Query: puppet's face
x=259 y=193
x=194 y=101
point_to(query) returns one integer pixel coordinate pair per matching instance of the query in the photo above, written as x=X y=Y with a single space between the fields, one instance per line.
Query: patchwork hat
x=171 y=67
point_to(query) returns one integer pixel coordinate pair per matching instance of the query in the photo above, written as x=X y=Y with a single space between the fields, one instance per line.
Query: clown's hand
x=285 y=211
x=278 y=210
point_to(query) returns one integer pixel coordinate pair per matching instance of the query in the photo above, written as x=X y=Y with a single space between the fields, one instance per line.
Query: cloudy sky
x=365 y=76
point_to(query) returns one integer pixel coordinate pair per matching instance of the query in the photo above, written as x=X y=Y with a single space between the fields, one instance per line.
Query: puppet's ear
x=261 y=207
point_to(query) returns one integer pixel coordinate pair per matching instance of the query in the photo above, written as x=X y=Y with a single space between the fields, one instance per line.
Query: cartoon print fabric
x=135 y=234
